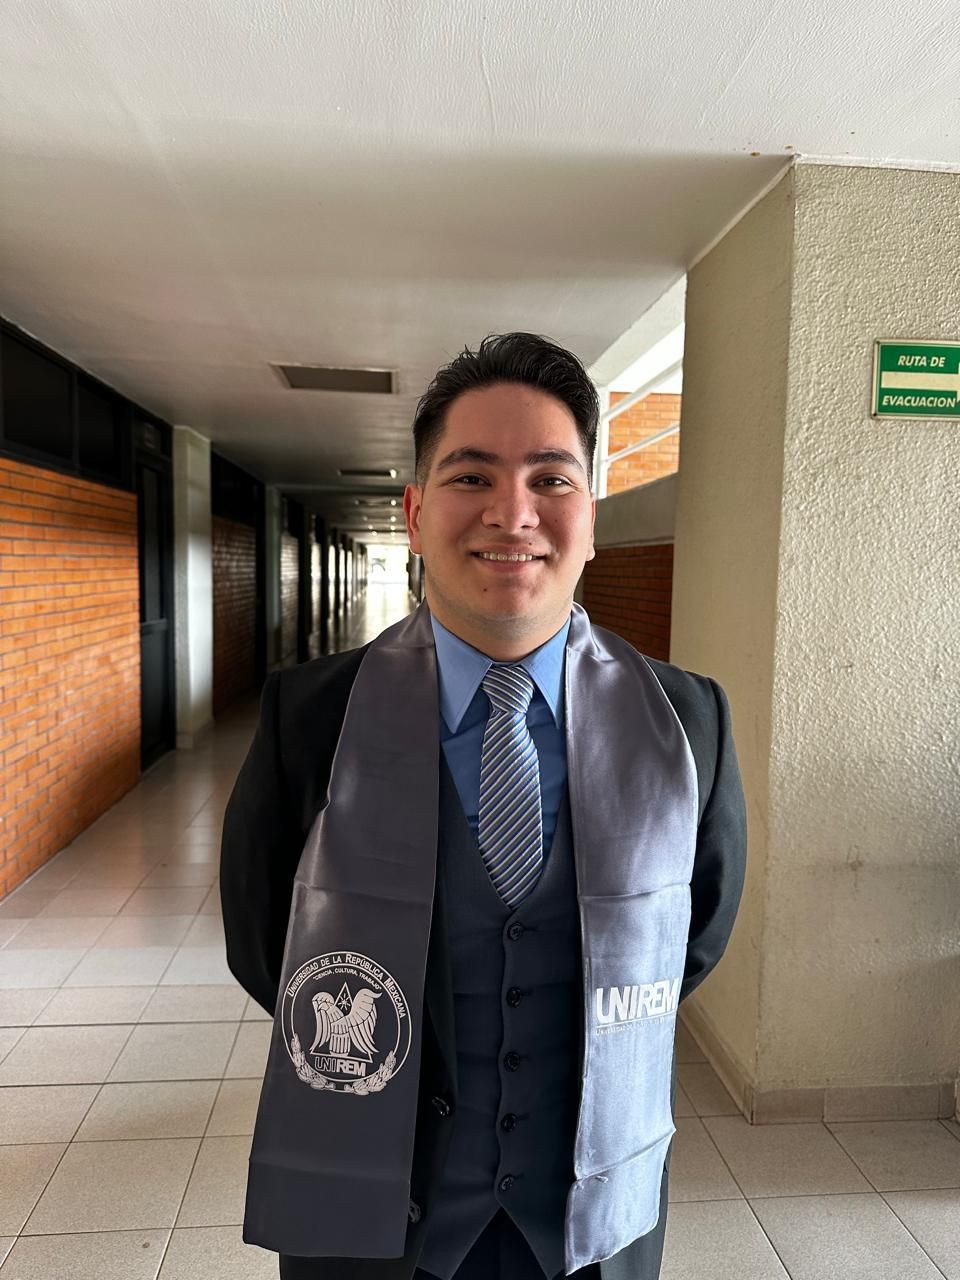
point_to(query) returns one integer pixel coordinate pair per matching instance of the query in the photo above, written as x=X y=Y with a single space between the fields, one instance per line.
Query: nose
x=511 y=507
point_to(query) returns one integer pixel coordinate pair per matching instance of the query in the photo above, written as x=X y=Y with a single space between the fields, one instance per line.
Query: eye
x=555 y=482
x=471 y=481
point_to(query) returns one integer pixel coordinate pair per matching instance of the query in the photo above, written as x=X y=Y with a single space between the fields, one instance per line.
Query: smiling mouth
x=511 y=557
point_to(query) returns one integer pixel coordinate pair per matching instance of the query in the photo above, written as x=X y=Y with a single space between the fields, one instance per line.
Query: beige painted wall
x=816 y=549
x=727 y=531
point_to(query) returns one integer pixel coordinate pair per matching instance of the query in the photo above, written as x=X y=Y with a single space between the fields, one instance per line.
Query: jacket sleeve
x=720 y=860
x=259 y=854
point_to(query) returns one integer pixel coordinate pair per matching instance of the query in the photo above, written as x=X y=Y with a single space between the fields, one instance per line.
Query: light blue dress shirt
x=465 y=708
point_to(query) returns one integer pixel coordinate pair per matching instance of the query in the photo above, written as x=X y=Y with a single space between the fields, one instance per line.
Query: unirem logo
x=620 y=1005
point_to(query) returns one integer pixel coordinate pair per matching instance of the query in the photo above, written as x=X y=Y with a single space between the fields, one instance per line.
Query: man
x=472 y=868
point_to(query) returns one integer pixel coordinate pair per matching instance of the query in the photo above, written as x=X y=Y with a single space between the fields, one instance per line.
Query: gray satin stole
x=333 y=1143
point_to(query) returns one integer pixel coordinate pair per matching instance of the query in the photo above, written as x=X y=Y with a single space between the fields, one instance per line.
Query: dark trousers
x=501 y=1253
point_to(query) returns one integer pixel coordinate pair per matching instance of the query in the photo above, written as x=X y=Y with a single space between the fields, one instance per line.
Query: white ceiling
x=193 y=189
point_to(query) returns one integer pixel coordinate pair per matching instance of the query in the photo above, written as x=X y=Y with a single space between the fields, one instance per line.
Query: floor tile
x=8 y=1038
x=9 y=930
x=687 y=1048
x=167 y=1109
x=855 y=1237
x=190 y=1051
x=6 y=1244
x=48 y=1055
x=164 y=902
x=145 y=931
x=42 y=967
x=784 y=1159
x=24 y=1172
x=683 y=1105
x=901 y=1155
x=121 y=967
x=235 y=1109
x=933 y=1219
x=43 y=1113
x=216 y=1253
x=718 y=1240
x=254 y=1013
x=92 y=1255
x=211 y=903
x=19 y=1008
x=86 y=902
x=123 y=877
x=205 y=966
x=205 y=931
x=167 y=875
x=88 y=1006
x=697 y=1171
x=51 y=877
x=215 y=1195
x=23 y=904
x=47 y=932
x=217 y=1003
x=706 y=1090
x=249 y=1056
x=113 y=1186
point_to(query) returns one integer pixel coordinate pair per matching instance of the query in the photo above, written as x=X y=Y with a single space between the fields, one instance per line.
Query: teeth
x=499 y=555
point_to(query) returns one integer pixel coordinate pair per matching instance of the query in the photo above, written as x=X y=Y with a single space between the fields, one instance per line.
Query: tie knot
x=509 y=688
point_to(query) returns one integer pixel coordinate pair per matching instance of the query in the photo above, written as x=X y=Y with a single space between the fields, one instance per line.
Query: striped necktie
x=510 y=833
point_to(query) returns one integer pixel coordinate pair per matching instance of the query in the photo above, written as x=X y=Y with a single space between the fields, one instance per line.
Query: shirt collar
x=461 y=669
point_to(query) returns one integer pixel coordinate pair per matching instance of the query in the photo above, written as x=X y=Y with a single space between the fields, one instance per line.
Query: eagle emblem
x=346 y=1021
x=359 y=1034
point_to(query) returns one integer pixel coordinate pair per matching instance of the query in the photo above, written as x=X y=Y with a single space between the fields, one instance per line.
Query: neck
x=503 y=640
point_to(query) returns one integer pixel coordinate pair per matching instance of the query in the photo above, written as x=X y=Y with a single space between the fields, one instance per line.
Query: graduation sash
x=333 y=1144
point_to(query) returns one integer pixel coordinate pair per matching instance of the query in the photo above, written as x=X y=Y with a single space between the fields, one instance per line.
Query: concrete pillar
x=813 y=548
x=193 y=584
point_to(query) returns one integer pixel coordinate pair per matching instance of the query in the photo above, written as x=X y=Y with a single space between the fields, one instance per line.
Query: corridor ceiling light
x=393 y=502
x=362 y=474
x=316 y=377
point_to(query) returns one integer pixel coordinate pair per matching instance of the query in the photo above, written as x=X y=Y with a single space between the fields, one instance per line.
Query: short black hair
x=525 y=358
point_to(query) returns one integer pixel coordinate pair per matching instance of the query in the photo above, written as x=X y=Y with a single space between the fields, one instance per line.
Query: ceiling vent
x=315 y=377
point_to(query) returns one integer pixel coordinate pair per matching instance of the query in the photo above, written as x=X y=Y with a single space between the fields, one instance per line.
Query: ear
x=412 y=503
x=591 y=550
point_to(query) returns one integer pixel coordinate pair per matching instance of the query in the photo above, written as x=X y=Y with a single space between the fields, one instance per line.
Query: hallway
x=130 y=1064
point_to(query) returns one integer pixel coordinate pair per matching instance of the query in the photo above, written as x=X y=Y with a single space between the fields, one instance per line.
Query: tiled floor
x=130 y=1064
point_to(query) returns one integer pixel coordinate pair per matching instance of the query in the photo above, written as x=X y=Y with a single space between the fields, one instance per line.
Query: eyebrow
x=470 y=453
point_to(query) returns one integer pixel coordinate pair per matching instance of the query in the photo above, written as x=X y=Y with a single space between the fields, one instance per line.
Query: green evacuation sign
x=916 y=379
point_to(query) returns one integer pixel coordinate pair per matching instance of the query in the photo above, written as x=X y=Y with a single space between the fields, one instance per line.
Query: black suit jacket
x=280 y=790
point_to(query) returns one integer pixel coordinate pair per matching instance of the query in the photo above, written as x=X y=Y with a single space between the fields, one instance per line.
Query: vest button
x=442 y=1106
x=506 y=1183
x=514 y=996
x=508 y=1122
x=413 y=1211
x=515 y=931
x=511 y=1061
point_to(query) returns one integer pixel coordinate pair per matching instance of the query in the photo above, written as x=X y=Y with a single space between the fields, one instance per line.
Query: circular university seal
x=346 y=1023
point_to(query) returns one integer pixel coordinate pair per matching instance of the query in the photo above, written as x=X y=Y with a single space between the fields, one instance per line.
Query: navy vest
x=518 y=1012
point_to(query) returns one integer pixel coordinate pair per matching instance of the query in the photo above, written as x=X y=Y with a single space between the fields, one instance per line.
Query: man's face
x=508 y=477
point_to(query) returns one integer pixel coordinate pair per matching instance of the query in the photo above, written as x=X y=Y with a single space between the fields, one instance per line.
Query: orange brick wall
x=654 y=413
x=69 y=660
x=629 y=590
x=234 y=611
